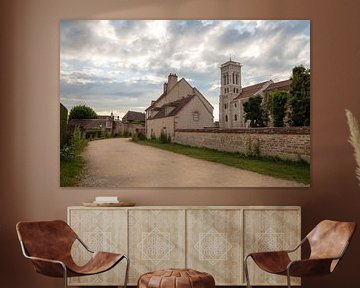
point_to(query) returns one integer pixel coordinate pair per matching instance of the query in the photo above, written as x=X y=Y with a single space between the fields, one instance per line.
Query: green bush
x=253 y=149
x=82 y=112
x=164 y=138
x=135 y=138
x=63 y=124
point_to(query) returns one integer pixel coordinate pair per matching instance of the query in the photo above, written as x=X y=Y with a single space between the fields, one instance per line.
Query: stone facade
x=180 y=106
x=233 y=95
x=288 y=143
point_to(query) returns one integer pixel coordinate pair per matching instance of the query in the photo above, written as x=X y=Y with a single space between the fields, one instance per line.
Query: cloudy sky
x=117 y=65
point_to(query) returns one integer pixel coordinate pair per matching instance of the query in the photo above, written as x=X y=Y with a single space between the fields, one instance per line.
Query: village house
x=103 y=124
x=133 y=123
x=180 y=106
x=233 y=95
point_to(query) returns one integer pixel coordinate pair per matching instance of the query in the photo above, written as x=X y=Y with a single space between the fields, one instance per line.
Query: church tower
x=230 y=88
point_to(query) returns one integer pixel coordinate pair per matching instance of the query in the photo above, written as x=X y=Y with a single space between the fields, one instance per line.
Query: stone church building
x=180 y=106
x=233 y=95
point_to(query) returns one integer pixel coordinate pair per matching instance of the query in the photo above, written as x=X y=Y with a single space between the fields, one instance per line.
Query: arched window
x=226 y=118
x=233 y=80
x=224 y=79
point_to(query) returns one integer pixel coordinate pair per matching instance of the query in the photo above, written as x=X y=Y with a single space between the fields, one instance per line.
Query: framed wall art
x=185 y=103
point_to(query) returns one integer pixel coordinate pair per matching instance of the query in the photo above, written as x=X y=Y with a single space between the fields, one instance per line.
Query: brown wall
x=29 y=111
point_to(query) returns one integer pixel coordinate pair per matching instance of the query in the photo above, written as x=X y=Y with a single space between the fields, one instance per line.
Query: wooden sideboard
x=212 y=239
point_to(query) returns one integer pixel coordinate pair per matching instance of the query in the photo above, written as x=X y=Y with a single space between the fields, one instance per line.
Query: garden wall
x=289 y=143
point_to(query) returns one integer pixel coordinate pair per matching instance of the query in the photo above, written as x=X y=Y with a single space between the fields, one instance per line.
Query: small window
x=196 y=116
x=235 y=105
x=225 y=106
x=235 y=117
x=226 y=118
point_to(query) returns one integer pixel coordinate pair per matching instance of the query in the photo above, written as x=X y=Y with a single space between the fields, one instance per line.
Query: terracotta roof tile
x=177 y=105
x=134 y=116
x=284 y=85
x=250 y=90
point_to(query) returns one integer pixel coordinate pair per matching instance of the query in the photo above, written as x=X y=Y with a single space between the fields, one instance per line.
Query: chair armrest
x=309 y=267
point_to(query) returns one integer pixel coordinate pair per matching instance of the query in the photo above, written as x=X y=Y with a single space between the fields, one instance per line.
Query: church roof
x=177 y=105
x=250 y=90
x=281 y=85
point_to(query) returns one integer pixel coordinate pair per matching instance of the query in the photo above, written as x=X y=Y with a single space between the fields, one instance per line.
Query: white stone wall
x=292 y=145
x=157 y=126
x=182 y=89
x=185 y=118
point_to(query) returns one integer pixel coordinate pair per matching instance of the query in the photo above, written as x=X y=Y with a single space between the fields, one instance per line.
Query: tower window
x=235 y=104
x=235 y=117
x=225 y=106
x=233 y=80
x=226 y=118
x=234 y=90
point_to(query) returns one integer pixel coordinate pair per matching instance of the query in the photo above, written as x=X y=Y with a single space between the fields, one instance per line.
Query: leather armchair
x=48 y=245
x=328 y=242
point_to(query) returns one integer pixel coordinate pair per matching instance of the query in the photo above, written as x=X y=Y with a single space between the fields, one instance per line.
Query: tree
x=82 y=112
x=299 y=99
x=277 y=106
x=254 y=111
x=63 y=124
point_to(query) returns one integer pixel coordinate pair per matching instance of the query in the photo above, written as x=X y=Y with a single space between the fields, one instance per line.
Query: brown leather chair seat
x=176 y=278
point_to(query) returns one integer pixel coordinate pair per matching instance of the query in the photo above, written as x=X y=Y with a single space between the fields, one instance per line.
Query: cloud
x=118 y=65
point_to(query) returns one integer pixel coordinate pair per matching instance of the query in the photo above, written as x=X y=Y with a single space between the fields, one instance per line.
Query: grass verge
x=70 y=171
x=71 y=161
x=298 y=171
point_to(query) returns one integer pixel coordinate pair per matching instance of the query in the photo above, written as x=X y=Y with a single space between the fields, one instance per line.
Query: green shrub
x=135 y=138
x=63 y=124
x=163 y=138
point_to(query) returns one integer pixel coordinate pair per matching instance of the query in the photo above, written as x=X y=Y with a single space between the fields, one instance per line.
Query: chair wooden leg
x=246 y=271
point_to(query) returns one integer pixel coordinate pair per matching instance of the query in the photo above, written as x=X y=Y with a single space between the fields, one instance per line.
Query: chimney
x=172 y=80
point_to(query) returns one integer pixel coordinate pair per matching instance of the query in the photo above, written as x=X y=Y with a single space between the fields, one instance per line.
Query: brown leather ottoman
x=176 y=278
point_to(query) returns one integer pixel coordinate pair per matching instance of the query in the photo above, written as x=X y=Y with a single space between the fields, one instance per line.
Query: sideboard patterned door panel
x=270 y=230
x=156 y=240
x=101 y=230
x=214 y=244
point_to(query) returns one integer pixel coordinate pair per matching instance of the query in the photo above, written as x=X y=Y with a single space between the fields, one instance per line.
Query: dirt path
x=115 y=163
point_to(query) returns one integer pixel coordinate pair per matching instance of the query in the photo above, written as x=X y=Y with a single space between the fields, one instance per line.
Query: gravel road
x=118 y=162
